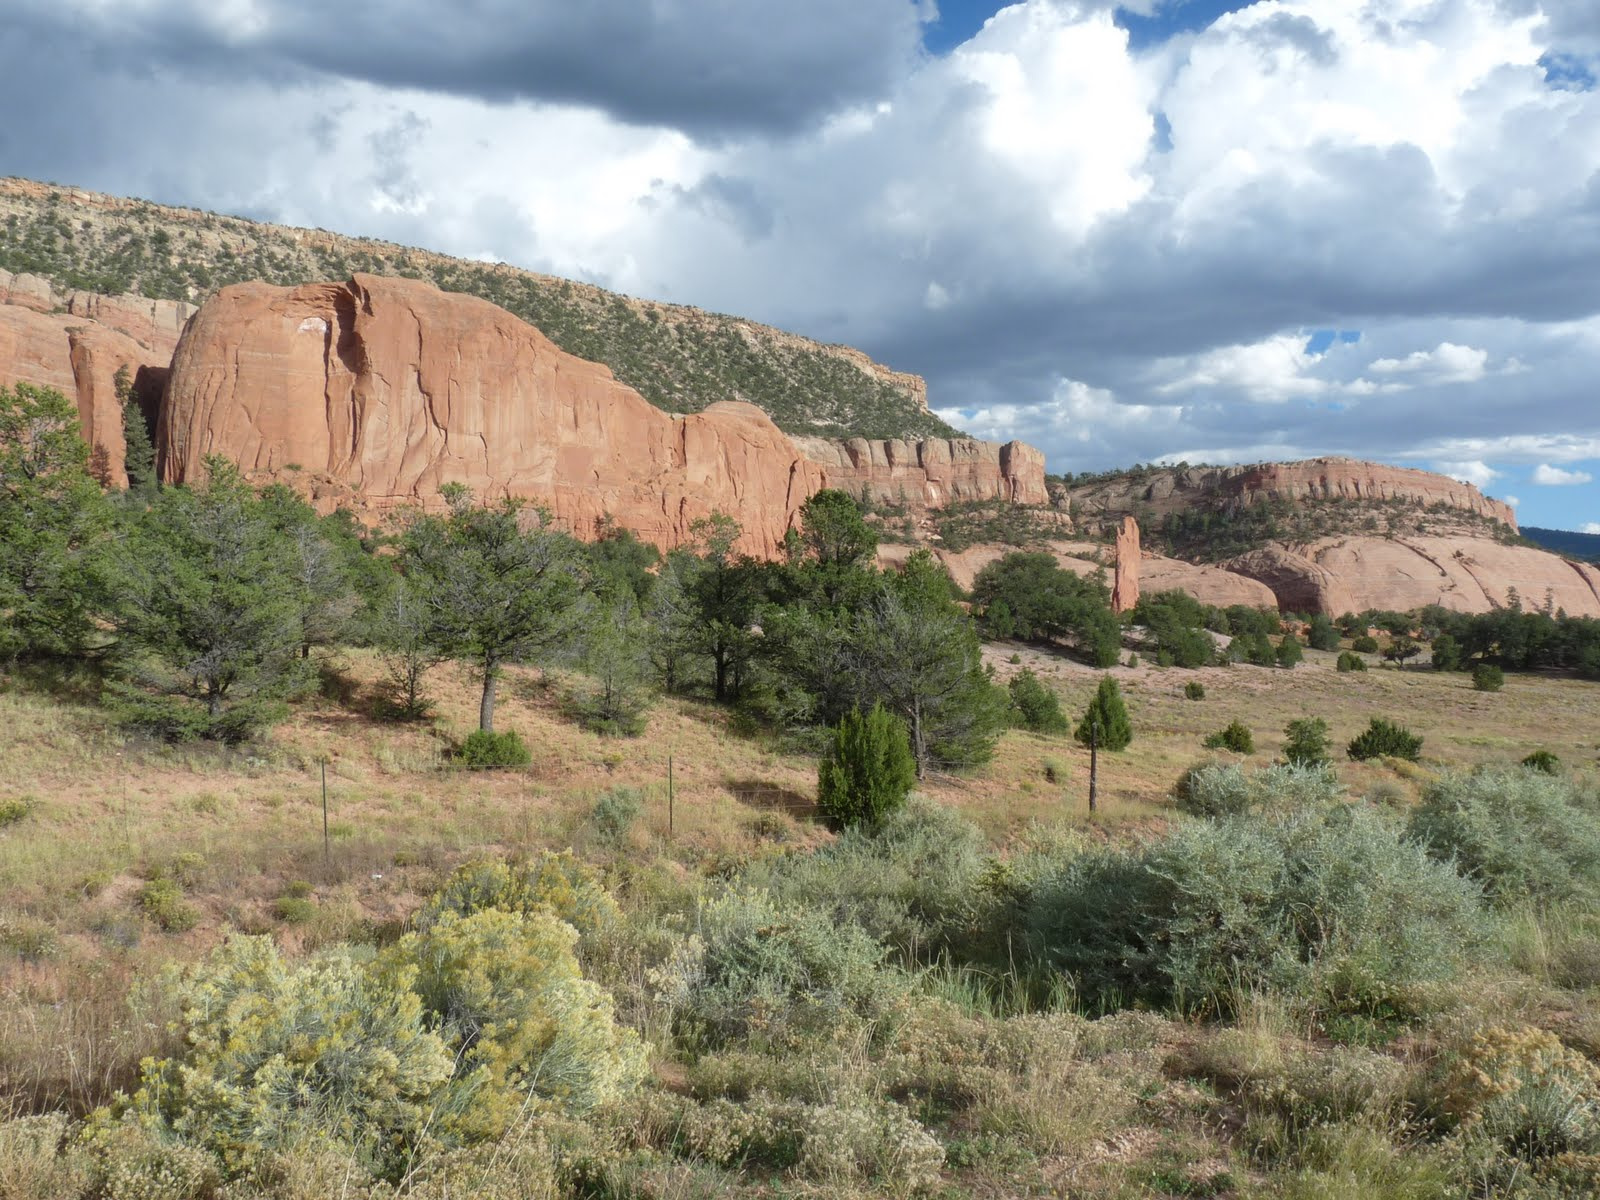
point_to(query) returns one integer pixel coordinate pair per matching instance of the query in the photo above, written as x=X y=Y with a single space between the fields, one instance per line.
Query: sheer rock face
x=1125 y=588
x=379 y=391
x=376 y=392
x=930 y=473
x=76 y=343
x=1474 y=575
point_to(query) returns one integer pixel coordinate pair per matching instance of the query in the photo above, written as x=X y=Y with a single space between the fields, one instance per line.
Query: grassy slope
x=680 y=359
x=244 y=826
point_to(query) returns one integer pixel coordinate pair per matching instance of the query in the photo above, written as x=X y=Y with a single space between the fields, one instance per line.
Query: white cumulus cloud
x=1547 y=476
x=1477 y=472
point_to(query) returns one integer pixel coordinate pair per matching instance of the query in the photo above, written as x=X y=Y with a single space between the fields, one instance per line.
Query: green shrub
x=778 y=972
x=1365 y=644
x=295 y=910
x=162 y=901
x=868 y=771
x=275 y=1055
x=1524 y=1096
x=127 y=1161
x=1308 y=742
x=1385 y=739
x=485 y=751
x=1194 y=690
x=1227 y=789
x=1034 y=705
x=552 y=882
x=1235 y=736
x=29 y=938
x=1542 y=760
x=1289 y=654
x=909 y=883
x=445 y=1039
x=1350 y=661
x=615 y=813
x=1486 y=677
x=14 y=809
x=1106 y=718
x=504 y=992
x=1322 y=635
x=1328 y=901
x=1446 y=655
x=1521 y=834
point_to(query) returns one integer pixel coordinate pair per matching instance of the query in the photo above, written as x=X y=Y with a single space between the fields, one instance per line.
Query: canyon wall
x=930 y=473
x=378 y=391
x=76 y=342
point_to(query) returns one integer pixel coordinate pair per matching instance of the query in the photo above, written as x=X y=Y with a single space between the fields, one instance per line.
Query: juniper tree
x=53 y=526
x=500 y=581
x=208 y=611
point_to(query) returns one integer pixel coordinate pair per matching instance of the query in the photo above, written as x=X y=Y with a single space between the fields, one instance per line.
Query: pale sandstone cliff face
x=1350 y=479
x=1179 y=489
x=77 y=342
x=930 y=473
x=386 y=389
x=1472 y=575
x=1125 y=591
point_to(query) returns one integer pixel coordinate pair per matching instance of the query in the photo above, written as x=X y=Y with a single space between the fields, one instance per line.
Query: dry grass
x=237 y=828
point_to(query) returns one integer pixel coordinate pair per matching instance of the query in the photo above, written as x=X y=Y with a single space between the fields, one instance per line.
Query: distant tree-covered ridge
x=1585 y=546
x=679 y=358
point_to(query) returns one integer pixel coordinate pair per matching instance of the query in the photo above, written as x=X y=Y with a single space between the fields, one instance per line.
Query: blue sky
x=960 y=19
x=1321 y=227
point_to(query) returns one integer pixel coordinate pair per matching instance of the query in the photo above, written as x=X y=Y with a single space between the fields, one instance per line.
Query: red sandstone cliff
x=76 y=342
x=930 y=473
x=384 y=389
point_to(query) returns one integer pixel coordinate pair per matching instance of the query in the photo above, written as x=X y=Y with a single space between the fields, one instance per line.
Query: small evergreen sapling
x=868 y=771
x=1308 y=742
x=1034 y=706
x=1234 y=736
x=1105 y=721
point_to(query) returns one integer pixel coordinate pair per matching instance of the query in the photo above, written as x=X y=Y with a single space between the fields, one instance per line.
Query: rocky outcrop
x=1473 y=575
x=375 y=392
x=76 y=343
x=382 y=390
x=1178 y=489
x=930 y=473
x=1125 y=588
x=1350 y=479
x=1209 y=585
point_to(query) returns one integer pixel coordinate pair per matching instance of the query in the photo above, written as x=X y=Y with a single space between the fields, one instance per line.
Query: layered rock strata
x=1176 y=489
x=931 y=473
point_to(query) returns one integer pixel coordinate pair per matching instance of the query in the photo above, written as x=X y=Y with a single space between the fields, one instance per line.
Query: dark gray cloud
x=710 y=67
x=1013 y=221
